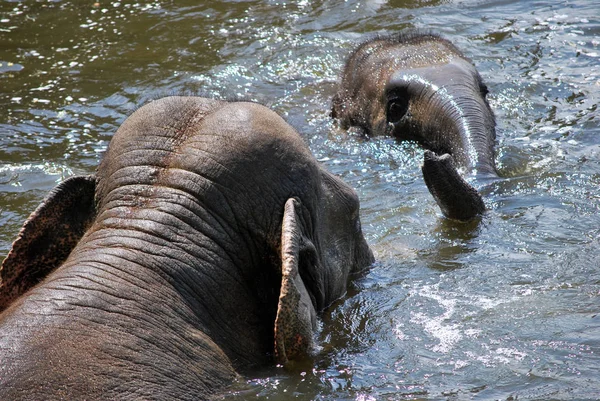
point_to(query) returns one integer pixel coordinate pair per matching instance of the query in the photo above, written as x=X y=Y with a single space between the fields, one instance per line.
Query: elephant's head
x=213 y=216
x=247 y=165
x=418 y=86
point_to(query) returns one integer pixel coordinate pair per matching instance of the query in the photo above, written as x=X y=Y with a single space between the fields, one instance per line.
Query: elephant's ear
x=48 y=236
x=296 y=315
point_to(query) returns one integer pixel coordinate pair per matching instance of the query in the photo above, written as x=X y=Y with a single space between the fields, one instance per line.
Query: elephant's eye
x=357 y=226
x=396 y=109
x=483 y=89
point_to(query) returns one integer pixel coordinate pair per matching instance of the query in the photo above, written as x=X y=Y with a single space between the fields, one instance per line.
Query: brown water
x=507 y=309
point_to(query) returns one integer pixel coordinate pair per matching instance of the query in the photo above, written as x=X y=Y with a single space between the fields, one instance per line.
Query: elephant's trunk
x=457 y=199
x=446 y=110
x=455 y=124
x=476 y=126
x=470 y=141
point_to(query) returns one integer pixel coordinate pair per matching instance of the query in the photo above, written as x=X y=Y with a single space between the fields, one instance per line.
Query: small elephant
x=419 y=86
x=205 y=245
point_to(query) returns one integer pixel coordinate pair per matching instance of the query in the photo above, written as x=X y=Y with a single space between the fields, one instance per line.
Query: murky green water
x=507 y=309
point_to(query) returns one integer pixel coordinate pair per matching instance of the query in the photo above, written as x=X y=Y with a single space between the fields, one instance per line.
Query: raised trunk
x=447 y=112
x=475 y=123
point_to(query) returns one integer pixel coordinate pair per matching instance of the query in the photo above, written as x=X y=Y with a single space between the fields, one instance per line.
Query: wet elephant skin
x=419 y=86
x=210 y=241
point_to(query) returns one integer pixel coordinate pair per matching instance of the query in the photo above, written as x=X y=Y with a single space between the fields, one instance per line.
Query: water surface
x=504 y=309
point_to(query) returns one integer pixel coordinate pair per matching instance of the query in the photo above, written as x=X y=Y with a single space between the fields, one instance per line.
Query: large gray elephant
x=205 y=246
x=419 y=86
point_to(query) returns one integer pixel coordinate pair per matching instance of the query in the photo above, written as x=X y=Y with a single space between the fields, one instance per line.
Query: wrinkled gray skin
x=418 y=86
x=213 y=240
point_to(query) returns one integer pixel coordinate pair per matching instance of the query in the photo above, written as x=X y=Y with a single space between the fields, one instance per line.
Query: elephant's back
x=55 y=351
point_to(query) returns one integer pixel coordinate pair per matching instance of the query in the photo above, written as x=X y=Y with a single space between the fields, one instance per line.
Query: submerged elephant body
x=418 y=86
x=215 y=239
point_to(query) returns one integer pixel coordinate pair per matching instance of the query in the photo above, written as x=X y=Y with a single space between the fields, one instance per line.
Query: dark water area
x=504 y=309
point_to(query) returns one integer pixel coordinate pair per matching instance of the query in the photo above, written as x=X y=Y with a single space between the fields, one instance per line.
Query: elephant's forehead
x=404 y=56
x=456 y=71
x=169 y=129
x=190 y=142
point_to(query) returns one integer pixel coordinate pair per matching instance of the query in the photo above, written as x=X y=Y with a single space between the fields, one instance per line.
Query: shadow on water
x=454 y=240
